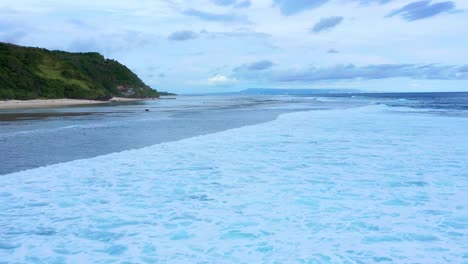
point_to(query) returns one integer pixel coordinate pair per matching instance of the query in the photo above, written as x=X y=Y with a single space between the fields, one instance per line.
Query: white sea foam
x=342 y=186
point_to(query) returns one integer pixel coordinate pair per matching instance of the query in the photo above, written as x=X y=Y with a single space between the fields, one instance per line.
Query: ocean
x=351 y=178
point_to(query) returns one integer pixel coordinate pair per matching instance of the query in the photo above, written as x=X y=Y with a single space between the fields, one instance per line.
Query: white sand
x=45 y=103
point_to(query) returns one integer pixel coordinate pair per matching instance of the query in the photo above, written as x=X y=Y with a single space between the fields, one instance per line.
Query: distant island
x=166 y=94
x=266 y=91
x=35 y=73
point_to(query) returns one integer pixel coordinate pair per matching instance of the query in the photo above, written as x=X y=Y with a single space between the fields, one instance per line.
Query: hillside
x=31 y=73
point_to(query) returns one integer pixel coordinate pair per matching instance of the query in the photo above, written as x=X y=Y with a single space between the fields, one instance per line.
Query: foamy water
x=334 y=186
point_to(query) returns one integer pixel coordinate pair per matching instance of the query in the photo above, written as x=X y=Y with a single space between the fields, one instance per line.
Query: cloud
x=344 y=72
x=243 y=4
x=221 y=80
x=423 y=9
x=370 y=72
x=256 y=66
x=332 y=51
x=182 y=35
x=224 y=2
x=291 y=7
x=368 y=2
x=259 y=70
x=327 y=23
x=214 y=17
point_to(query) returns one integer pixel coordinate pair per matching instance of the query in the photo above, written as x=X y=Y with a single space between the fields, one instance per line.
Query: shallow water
x=34 y=138
x=360 y=185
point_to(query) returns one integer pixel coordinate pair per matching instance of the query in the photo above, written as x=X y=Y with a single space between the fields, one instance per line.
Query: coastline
x=46 y=103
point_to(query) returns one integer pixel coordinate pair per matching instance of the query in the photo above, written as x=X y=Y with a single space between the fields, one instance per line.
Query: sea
x=319 y=178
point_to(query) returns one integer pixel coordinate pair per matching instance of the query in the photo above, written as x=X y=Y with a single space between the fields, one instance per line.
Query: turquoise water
x=356 y=185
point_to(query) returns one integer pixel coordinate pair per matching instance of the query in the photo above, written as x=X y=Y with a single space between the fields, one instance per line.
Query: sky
x=199 y=46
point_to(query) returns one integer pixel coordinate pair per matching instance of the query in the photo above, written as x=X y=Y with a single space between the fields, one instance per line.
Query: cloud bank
x=369 y=72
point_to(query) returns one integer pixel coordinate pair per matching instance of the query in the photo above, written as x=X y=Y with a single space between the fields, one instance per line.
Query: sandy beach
x=45 y=103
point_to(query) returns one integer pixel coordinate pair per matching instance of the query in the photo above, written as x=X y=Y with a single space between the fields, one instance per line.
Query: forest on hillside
x=32 y=73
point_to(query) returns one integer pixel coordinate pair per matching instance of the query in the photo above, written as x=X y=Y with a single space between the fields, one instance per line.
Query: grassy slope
x=29 y=73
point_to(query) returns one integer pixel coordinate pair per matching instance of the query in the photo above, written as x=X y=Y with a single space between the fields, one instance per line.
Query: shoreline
x=46 y=103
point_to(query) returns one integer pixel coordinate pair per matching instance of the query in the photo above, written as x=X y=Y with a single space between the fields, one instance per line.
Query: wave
x=353 y=180
x=49 y=130
x=106 y=124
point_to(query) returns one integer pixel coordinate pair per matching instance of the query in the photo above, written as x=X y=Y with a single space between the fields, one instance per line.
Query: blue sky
x=228 y=45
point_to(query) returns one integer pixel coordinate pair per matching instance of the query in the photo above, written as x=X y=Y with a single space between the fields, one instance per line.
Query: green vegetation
x=31 y=73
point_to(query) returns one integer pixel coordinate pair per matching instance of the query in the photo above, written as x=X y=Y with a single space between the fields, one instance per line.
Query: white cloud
x=221 y=80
